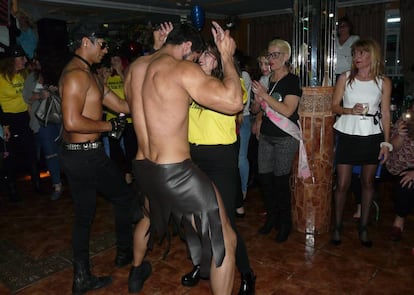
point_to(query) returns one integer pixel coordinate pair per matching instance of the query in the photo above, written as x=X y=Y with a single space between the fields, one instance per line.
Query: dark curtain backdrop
x=4 y=12
x=263 y=30
x=407 y=44
x=368 y=21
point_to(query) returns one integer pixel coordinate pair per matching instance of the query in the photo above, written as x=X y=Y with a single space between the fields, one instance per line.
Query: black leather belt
x=83 y=146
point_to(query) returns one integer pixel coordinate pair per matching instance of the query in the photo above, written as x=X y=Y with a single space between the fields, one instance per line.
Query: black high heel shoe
x=363 y=237
x=336 y=236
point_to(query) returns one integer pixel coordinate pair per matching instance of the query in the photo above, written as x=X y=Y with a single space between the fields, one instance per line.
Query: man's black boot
x=192 y=278
x=84 y=281
x=124 y=256
x=248 y=284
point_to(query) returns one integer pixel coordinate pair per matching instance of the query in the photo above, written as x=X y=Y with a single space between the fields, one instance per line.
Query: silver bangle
x=387 y=144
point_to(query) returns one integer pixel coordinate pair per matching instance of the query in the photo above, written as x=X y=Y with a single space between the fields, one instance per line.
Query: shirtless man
x=83 y=158
x=159 y=89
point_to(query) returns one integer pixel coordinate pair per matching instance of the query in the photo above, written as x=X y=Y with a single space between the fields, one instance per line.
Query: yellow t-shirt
x=116 y=84
x=11 y=97
x=209 y=127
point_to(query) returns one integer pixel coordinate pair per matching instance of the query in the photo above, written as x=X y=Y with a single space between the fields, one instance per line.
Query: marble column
x=312 y=197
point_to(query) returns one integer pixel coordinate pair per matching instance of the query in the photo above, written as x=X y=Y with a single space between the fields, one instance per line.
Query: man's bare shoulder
x=73 y=71
x=168 y=64
x=74 y=77
x=145 y=59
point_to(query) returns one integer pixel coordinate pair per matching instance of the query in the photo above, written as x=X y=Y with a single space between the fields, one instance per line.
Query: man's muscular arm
x=223 y=96
x=113 y=102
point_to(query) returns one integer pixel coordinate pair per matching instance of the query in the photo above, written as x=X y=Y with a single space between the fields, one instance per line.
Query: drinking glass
x=365 y=108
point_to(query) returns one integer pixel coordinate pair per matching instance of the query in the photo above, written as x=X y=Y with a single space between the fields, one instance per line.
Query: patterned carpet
x=18 y=270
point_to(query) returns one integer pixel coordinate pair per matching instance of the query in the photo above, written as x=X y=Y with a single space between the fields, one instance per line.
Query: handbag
x=50 y=110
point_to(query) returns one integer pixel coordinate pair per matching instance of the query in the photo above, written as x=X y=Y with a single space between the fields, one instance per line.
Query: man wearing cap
x=15 y=119
x=87 y=167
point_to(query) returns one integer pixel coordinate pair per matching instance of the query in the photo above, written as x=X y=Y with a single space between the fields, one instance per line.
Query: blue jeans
x=46 y=141
x=245 y=132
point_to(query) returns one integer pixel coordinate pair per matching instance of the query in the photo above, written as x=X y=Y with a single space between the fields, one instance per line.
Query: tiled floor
x=35 y=237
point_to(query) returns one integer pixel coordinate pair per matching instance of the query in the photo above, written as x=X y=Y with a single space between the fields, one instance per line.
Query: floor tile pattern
x=35 y=253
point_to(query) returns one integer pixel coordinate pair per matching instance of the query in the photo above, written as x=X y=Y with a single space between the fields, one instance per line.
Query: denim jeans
x=90 y=172
x=46 y=140
x=245 y=132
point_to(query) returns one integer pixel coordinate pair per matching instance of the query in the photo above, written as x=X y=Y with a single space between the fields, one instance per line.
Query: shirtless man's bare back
x=159 y=89
x=83 y=158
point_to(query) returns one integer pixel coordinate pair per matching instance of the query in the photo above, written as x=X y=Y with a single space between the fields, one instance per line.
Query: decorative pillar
x=313 y=51
x=313 y=61
x=312 y=197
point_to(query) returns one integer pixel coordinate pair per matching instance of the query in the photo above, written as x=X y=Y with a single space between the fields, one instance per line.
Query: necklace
x=274 y=86
x=84 y=60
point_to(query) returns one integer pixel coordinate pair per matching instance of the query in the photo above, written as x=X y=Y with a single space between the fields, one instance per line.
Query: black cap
x=91 y=30
x=14 y=51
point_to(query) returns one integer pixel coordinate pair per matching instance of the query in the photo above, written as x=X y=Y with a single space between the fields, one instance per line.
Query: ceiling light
x=393 y=20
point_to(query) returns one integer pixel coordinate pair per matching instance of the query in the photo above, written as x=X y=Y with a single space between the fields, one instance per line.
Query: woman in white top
x=343 y=46
x=362 y=133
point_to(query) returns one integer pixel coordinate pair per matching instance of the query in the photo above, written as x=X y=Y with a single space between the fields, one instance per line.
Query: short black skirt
x=357 y=150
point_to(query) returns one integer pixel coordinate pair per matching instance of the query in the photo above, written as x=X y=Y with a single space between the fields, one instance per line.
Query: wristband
x=386 y=144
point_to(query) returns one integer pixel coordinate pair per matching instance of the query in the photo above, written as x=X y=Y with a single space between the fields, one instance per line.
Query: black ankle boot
x=268 y=226
x=137 y=276
x=336 y=236
x=84 y=281
x=363 y=237
x=124 y=256
x=283 y=233
x=192 y=278
x=248 y=284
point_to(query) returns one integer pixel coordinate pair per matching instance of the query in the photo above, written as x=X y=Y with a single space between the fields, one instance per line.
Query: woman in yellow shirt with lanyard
x=213 y=147
x=122 y=150
x=15 y=119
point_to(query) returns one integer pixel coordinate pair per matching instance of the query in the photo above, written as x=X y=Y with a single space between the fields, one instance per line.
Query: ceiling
x=156 y=11
x=149 y=10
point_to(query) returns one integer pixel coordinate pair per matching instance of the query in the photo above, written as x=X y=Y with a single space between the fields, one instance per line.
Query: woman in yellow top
x=15 y=119
x=124 y=149
x=213 y=147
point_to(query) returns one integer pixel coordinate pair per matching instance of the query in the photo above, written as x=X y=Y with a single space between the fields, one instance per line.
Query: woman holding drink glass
x=362 y=99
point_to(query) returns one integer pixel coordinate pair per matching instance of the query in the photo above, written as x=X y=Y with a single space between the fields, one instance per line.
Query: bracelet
x=386 y=144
